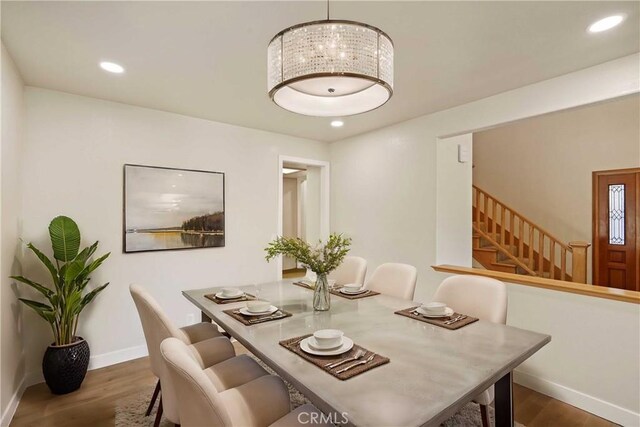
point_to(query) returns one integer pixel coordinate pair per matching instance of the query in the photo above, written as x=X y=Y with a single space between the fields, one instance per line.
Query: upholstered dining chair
x=208 y=346
x=393 y=279
x=258 y=403
x=480 y=297
x=352 y=270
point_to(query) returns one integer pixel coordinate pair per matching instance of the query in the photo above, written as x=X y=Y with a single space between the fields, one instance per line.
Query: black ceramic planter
x=65 y=366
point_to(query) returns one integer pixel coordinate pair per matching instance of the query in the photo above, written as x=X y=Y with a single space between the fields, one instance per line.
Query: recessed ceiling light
x=606 y=23
x=337 y=123
x=112 y=67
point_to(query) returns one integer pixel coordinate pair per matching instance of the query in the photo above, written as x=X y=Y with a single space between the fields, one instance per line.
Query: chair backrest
x=393 y=279
x=476 y=296
x=198 y=400
x=352 y=270
x=155 y=324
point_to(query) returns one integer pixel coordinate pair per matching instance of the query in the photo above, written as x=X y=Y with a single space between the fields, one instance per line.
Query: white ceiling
x=208 y=59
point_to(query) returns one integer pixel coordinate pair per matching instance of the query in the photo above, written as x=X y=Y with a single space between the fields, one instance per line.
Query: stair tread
x=486 y=249
x=504 y=264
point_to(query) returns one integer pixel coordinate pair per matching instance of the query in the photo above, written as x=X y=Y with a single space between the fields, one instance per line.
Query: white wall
x=542 y=166
x=312 y=204
x=11 y=355
x=76 y=148
x=289 y=215
x=453 y=209
x=384 y=193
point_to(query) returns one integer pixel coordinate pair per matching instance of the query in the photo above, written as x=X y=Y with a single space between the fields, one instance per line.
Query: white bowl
x=258 y=306
x=229 y=292
x=434 y=307
x=328 y=338
x=352 y=287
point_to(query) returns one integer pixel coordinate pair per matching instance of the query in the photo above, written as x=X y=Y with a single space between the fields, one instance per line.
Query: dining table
x=433 y=372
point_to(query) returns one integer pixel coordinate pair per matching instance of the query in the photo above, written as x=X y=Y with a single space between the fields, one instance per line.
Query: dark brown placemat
x=293 y=345
x=246 y=297
x=356 y=296
x=440 y=321
x=340 y=294
x=257 y=320
x=303 y=285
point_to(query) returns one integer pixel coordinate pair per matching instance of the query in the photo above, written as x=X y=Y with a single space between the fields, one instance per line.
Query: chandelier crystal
x=330 y=68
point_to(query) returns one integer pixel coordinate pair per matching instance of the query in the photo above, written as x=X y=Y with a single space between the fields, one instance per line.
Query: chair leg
x=156 y=423
x=153 y=399
x=484 y=414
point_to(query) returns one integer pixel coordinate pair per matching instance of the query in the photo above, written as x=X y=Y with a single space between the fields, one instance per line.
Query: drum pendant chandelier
x=330 y=68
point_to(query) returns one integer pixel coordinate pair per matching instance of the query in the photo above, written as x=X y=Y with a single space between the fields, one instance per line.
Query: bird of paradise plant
x=70 y=274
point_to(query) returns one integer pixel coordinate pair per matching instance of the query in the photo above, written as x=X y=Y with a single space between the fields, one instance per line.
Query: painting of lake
x=166 y=208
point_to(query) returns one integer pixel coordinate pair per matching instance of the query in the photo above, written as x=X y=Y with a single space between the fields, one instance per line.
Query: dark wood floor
x=94 y=404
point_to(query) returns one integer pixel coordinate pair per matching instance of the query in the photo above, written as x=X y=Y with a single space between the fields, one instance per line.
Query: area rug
x=130 y=410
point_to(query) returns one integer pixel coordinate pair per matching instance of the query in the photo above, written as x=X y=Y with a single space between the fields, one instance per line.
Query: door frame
x=325 y=188
x=595 y=201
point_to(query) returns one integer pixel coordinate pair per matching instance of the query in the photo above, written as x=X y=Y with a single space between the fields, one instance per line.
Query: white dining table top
x=433 y=371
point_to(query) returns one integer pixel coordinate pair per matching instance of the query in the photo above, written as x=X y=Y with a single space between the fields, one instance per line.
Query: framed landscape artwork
x=167 y=208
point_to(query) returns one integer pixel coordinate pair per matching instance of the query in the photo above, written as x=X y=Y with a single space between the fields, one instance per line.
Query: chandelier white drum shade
x=330 y=68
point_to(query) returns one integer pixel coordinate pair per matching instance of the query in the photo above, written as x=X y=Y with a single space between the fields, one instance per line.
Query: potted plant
x=322 y=259
x=66 y=360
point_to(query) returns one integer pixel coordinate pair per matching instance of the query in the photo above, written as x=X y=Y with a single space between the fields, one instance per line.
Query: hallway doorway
x=303 y=205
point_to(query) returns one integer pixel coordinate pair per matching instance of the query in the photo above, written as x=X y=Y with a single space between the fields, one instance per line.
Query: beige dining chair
x=208 y=346
x=352 y=270
x=261 y=402
x=480 y=297
x=394 y=279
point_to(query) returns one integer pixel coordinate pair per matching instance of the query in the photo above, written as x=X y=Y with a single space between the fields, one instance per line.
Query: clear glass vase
x=321 y=295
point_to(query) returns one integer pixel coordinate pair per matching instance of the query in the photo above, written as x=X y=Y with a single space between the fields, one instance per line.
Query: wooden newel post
x=579 y=268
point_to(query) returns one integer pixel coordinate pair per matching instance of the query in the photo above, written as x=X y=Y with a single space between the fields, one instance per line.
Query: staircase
x=505 y=240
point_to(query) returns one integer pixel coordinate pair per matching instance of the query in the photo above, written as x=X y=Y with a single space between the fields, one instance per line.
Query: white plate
x=347 y=344
x=313 y=343
x=246 y=312
x=447 y=312
x=238 y=295
x=346 y=292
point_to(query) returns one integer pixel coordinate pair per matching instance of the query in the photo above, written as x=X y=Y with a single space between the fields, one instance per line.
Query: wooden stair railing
x=505 y=252
x=536 y=249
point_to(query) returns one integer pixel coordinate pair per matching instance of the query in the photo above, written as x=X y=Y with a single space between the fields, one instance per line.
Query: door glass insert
x=616 y=214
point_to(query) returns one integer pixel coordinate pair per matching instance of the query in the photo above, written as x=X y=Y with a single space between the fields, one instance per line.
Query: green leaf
x=73 y=305
x=48 y=293
x=95 y=264
x=45 y=311
x=47 y=263
x=65 y=238
x=83 y=277
x=73 y=270
x=87 y=252
x=91 y=295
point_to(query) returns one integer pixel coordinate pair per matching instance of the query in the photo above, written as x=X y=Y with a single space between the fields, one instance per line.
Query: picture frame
x=167 y=208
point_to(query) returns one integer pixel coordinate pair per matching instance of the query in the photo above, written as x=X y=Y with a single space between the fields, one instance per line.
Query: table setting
x=253 y=312
x=438 y=314
x=334 y=353
x=229 y=296
x=348 y=291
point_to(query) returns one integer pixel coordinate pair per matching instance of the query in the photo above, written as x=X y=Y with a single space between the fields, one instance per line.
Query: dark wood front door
x=616 y=237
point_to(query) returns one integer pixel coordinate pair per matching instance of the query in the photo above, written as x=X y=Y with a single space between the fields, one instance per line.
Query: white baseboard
x=606 y=410
x=118 y=356
x=10 y=410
